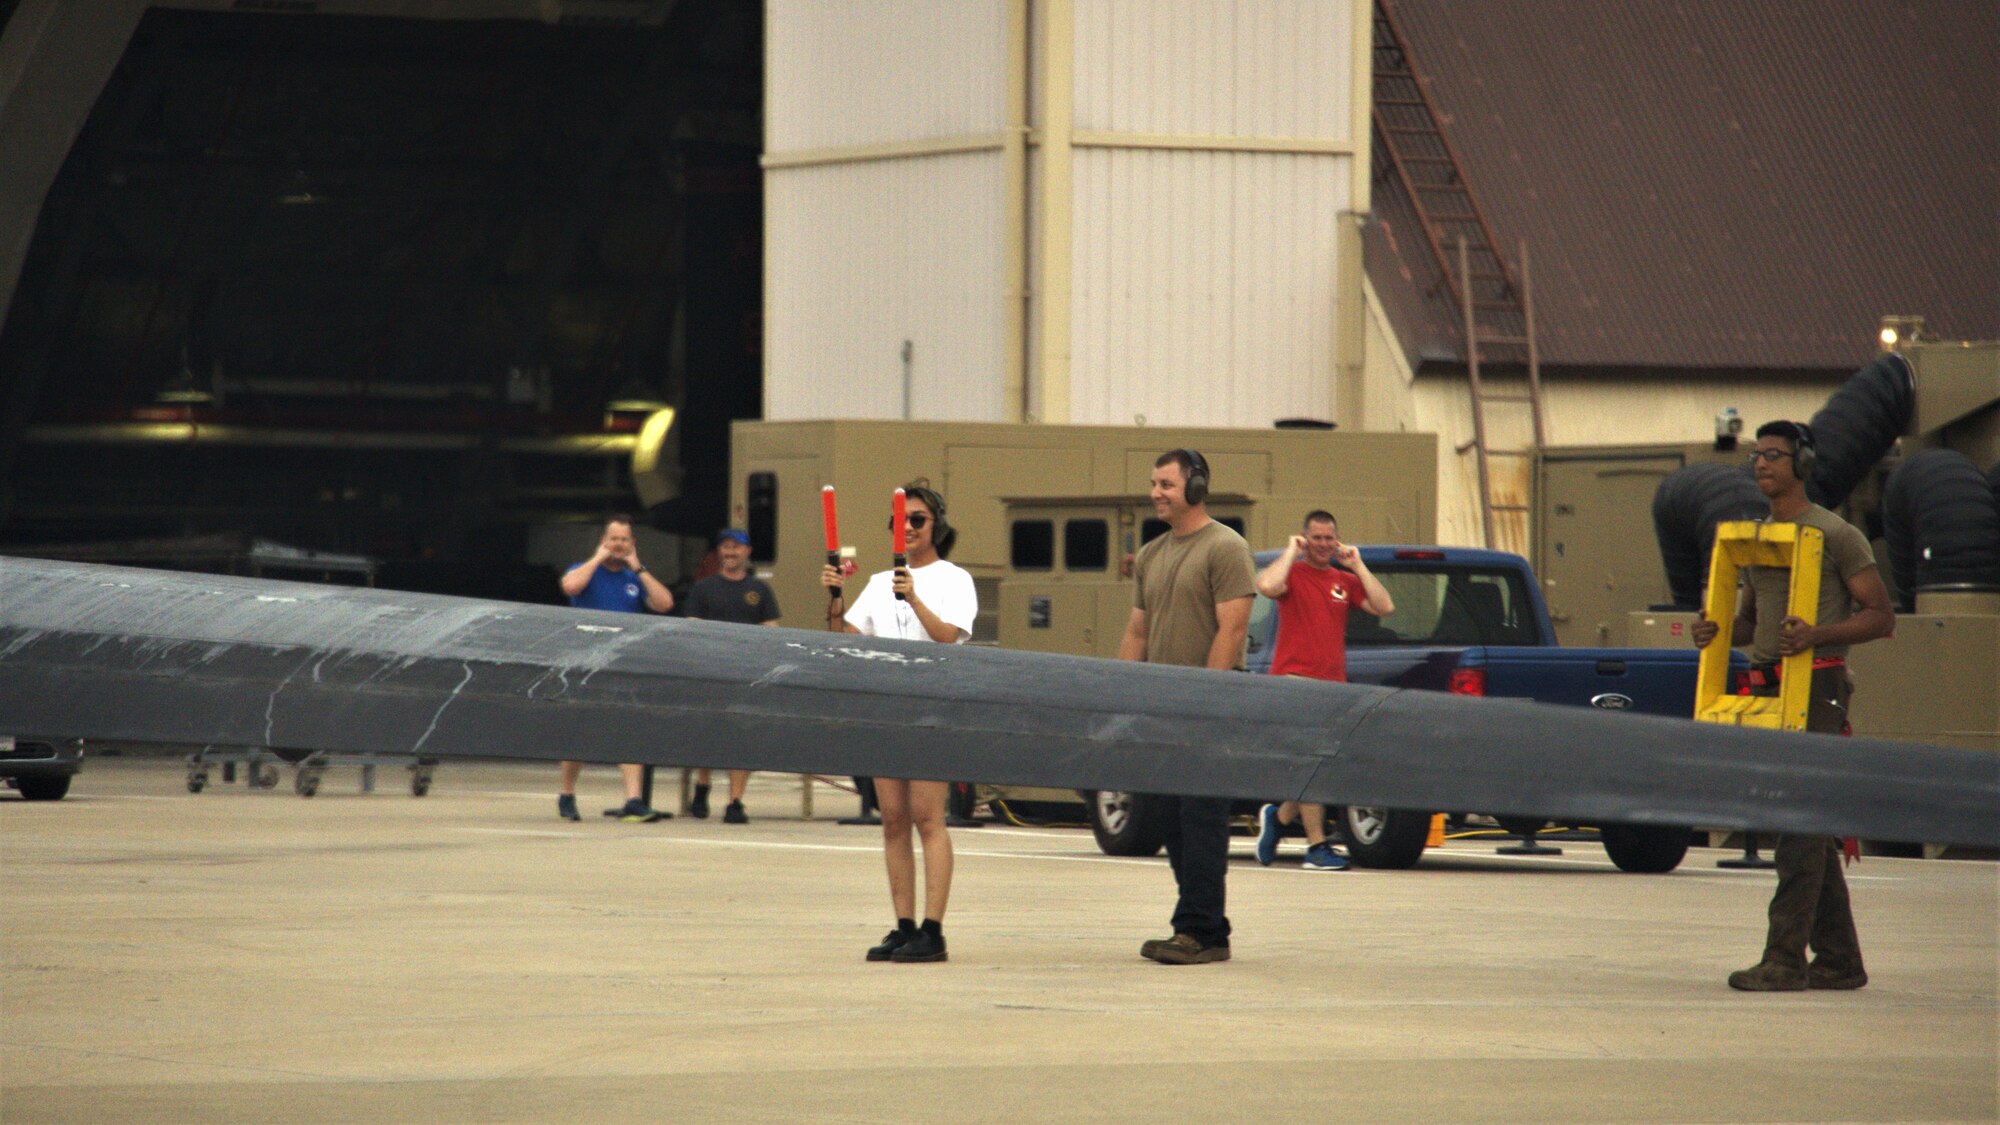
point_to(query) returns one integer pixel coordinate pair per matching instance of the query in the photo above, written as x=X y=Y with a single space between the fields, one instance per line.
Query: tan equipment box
x=1937 y=680
x=1595 y=551
x=1083 y=487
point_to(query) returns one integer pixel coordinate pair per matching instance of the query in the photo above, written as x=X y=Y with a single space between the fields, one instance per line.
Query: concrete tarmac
x=254 y=956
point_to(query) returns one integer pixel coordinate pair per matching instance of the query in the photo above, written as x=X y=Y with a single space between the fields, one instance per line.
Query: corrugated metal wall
x=864 y=256
x=1203 y=286
x=1253 y=68
x=1211 y=165
x=865 y=249
x=855 y=72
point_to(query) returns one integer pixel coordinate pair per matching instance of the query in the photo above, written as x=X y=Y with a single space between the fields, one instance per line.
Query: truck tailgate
x=1656 y=681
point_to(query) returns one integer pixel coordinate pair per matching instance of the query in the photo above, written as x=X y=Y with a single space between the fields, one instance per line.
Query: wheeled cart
x=314 y=767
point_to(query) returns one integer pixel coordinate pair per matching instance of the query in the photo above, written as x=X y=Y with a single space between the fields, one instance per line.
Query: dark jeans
x=1811 y=906
x=1198 y=847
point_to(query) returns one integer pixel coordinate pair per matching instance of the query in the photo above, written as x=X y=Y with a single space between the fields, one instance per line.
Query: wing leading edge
x=122 y=654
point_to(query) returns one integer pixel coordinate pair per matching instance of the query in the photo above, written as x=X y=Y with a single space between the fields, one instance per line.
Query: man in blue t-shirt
x=613 y=579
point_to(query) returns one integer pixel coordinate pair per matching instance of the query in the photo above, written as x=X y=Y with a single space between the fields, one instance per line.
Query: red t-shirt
x=1312 y=622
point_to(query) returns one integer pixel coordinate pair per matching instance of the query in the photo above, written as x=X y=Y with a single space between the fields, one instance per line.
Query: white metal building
x=1153 y=212
x=1094 y=211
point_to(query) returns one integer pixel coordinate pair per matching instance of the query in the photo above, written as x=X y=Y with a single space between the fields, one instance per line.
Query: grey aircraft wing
x=121 y=654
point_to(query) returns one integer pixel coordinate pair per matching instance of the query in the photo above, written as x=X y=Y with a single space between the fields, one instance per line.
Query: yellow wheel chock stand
x=1741 y=543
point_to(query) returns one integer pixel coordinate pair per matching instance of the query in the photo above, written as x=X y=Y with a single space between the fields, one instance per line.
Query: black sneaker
x=698 y=808
x=897 y=939
x=734 y=814
x=921 y=946
x=636 y=811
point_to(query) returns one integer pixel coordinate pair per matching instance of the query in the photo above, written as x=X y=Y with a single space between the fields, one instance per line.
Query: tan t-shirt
x=1846 y=553
x=1181 y=579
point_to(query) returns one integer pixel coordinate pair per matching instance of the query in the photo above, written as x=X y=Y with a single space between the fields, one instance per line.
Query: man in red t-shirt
x=1314 y=597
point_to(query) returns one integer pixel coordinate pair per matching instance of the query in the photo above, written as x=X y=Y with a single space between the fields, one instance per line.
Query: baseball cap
x=736 y=533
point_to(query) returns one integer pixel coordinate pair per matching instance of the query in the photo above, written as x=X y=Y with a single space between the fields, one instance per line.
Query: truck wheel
x=1386 y=838
x=1645 y=849
x=43 y=788
x=1127 y=823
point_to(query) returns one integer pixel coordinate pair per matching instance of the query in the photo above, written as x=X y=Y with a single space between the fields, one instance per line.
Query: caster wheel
x=420 y=782
x=197 y=780
x=263 y=778
x=306 y=784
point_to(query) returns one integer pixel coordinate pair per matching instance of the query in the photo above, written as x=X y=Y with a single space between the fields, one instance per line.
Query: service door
x=1049 y=617
x=1598 y=556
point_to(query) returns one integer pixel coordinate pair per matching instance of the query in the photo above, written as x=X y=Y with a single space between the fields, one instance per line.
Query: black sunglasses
x=914 y=519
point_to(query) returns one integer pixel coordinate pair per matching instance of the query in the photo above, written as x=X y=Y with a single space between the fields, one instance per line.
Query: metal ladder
x=1498 y=310
x=1506 y=519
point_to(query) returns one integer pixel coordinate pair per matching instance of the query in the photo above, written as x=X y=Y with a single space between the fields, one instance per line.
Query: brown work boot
x=1183 y=949
x=1150 y=950
x=1820 y=974
x=1766 y=976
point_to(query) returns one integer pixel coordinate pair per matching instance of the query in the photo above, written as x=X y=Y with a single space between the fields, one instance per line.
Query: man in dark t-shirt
x=1810 y=910
x=735 y=595
x=1191 y=606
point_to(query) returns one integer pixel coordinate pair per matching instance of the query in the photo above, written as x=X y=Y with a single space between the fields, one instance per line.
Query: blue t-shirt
x=615 y=590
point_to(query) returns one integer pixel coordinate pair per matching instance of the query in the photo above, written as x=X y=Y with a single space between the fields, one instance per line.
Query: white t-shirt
x=943 y=586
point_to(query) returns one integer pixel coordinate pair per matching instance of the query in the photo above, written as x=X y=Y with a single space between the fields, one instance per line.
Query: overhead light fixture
x=1899 y=330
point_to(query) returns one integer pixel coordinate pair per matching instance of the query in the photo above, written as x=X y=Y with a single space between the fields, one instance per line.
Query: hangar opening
x=393 y=285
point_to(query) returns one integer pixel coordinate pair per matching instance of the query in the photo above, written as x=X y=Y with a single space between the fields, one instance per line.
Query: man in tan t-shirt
x=1811 y=905
x=1191 y=606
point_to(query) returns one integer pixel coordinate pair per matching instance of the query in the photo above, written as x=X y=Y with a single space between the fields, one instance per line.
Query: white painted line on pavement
x=868 y=848
x=959 y=849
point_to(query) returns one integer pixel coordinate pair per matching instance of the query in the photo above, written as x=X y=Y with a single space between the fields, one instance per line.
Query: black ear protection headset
x=1196 y=488
x=943 y=535
x=1804 y=450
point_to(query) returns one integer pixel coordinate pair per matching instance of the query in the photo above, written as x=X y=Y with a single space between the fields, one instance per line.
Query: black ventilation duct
x=1942 y=520
x=1686 y=508
x=1858 y=425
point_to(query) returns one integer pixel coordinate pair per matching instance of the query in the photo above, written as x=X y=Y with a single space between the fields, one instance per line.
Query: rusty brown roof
x=1714 y=183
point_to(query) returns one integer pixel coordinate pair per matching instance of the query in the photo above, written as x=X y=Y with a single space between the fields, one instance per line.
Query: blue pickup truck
x=1471 y=622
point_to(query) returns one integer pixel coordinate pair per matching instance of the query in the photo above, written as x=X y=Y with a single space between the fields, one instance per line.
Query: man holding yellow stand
x=1810 y=908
